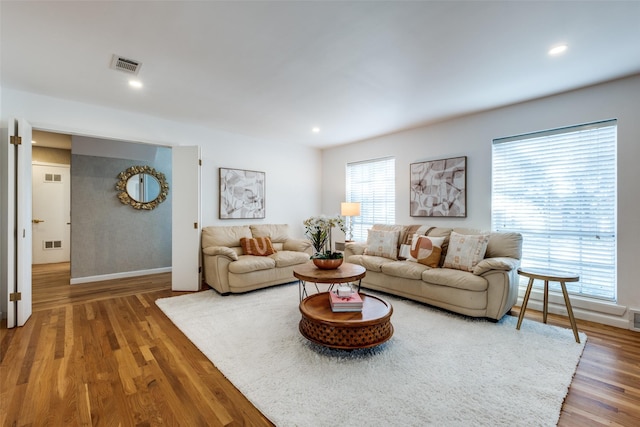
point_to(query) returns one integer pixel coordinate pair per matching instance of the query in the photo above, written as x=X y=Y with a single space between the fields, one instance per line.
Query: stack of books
x=343 y=304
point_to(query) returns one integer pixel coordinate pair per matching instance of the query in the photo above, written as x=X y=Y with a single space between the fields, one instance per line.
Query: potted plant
x=318 y=230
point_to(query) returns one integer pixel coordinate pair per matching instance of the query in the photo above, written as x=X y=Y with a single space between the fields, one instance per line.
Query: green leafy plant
x=318 y=230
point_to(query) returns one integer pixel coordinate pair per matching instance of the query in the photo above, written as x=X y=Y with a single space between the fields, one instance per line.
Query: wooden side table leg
x=525 y=301
x=570 y=311
x=545 y=302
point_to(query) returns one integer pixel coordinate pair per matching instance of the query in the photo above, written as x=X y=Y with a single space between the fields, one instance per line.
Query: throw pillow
x=260 y=246
x=465 y=251
x=426 y=250
x=382 y=243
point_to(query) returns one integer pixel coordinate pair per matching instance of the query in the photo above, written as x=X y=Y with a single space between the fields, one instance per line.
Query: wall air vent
x=51 y=244
x=635 y=320
x=124 y=64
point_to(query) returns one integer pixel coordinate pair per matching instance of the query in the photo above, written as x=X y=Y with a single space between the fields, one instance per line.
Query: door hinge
x=15 y=296
x=195 y=225
x=199 y=269
x=200 y=162
x=16 y=140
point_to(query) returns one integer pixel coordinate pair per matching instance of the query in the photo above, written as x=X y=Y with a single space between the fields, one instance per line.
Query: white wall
x=471 y=136
x=292 y=172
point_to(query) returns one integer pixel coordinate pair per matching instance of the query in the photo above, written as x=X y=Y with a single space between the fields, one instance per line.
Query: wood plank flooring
x=104 y=354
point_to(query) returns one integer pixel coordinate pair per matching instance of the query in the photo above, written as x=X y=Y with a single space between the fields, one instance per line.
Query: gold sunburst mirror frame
x=142 y=187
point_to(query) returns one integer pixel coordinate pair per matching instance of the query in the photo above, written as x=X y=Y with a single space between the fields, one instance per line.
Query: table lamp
x=349 y=209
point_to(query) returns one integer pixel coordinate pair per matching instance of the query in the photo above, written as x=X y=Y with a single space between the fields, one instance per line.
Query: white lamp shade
x=350 y=208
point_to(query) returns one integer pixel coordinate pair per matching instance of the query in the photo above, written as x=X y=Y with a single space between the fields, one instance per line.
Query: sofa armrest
x=297 y=245
x=354 y=248
x=220 y=250
x=498 y=263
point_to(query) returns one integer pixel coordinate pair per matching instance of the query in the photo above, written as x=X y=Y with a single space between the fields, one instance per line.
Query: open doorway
x=51 y=204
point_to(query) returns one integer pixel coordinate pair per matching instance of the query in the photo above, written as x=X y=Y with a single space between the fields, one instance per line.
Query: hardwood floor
x=104 y=354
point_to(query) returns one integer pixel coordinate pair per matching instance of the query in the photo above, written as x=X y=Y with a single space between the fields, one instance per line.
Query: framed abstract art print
x=242 y=194
x=439 y=188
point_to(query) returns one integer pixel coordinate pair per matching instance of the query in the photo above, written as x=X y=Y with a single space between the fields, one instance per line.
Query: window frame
x=570 y=224
x=375 y=189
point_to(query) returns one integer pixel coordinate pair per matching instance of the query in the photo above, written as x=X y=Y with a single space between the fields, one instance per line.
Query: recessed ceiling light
x=135 y=83
x=315 y=129
x=557 y=50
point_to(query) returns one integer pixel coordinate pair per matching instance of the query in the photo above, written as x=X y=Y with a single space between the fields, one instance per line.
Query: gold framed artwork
x=439 y=188
x=242 y=194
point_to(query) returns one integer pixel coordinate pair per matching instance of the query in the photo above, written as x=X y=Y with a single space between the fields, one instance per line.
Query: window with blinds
x=373 y=184
x=558 y=188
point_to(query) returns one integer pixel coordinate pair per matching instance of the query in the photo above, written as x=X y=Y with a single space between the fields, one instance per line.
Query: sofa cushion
x=259 y=246
x=371 y=263
x=298 y=245
x=382 y=243
x=249 y=263
x=506 y=244
x=465 y=250
x=287 y=258
x=455 y=279
x=404 y=269
x=224 y=235
x=276 y=232
x=426 y=250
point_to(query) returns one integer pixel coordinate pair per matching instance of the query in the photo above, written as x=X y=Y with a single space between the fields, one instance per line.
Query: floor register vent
x=125 y=64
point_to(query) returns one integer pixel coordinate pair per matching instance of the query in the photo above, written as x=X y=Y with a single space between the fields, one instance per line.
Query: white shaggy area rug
x=438 y=368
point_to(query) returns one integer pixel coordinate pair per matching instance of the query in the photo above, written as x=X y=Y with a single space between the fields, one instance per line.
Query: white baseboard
x=607 y=313
x=100 y=278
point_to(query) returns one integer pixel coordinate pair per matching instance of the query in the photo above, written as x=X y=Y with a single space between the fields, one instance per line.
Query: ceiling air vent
x=124 y=64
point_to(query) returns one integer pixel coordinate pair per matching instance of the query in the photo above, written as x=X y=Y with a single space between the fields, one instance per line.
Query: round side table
x=548 y=276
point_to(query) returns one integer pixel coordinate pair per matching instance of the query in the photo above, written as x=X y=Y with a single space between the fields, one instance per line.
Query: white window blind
x=373 y=184
x=558 y=188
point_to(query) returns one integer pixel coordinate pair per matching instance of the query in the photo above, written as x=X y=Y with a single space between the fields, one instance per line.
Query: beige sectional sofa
x=488 y=287
x=231 y=268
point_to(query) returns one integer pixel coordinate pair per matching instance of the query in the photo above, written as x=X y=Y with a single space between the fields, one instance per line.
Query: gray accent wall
x=108 y=237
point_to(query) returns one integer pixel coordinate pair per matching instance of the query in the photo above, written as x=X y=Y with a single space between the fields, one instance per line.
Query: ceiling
x=274 y=69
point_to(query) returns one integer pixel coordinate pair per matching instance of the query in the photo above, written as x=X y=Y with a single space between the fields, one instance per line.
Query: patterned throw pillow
x=465 y=251
x=260 y=246
x=382 y=243
x=426 y=250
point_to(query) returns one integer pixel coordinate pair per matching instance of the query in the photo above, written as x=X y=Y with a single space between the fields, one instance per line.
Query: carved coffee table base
x=346 y=330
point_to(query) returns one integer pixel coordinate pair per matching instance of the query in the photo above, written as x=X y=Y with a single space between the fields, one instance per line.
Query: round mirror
x=142 y=187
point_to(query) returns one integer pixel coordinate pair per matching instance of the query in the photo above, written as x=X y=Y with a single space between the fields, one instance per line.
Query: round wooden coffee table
x=308 y=272
x=346 y=330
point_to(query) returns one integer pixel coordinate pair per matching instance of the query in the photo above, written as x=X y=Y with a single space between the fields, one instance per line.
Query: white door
x=51 y=213
x=18 y=275
x=185 y=222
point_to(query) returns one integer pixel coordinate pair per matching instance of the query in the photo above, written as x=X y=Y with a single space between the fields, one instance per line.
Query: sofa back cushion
x=507 y=244
x=278 y=233
x=224 y=235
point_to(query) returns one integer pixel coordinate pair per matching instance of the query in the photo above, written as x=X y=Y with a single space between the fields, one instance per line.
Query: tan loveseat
x=489 y=290
x=227 y=269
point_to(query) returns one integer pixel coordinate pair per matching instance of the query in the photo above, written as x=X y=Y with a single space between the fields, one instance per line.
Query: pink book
x=354 y=299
